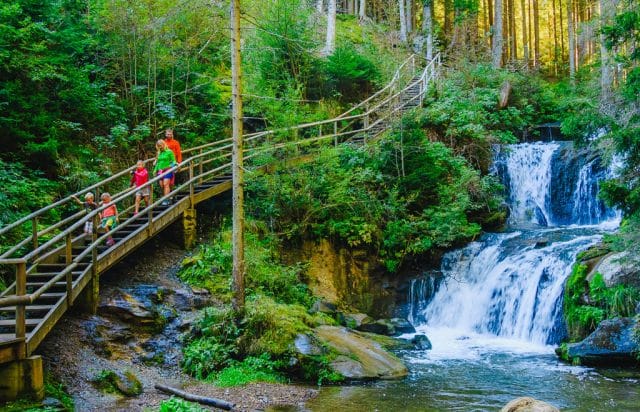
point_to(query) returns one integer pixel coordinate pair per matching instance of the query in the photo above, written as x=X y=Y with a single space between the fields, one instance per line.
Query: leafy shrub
x=251 y=369
x=586 y=304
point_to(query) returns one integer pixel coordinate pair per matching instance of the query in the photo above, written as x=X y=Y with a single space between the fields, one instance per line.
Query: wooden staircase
x=55 y=265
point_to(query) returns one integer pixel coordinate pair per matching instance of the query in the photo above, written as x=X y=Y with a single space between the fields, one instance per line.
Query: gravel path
x=70 y=356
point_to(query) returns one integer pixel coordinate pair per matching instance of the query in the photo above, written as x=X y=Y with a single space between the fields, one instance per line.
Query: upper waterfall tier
x=552 y=184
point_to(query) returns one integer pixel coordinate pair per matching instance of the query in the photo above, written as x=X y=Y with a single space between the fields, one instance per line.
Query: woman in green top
x=164 y=162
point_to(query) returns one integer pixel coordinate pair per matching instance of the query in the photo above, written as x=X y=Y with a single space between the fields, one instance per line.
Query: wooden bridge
x=57 y=266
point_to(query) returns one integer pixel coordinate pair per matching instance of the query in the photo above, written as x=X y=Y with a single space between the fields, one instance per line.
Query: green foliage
x=464 y=112
x=251 y=369
x=350 y=73
x=174 y=404
x=625 y=30
x=404 y=198
x=586 y=304
x=215 y=347
x=211 y=267
x=58 y=391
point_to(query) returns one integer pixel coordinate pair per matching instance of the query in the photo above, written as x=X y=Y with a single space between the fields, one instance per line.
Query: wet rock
x=422 y=342
x=526 y=404
x=540 y=243
x=354 y=320
x=360 y=358
x=126 y=307
x=186 y=300
x=620 y=269
x=107 y=337
x=126 y=383
x=612 y=343
x=323 y=306
x=308 y=345
x=402 y=326
x=53 y=404
x=380 y=326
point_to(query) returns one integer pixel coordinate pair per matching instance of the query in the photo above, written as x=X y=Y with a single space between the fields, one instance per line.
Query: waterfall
x=511 y=284
x=529 y=179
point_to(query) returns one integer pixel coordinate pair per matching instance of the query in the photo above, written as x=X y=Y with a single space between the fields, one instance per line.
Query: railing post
x=366 y=115
x=191 y=189
x=34 y=232
x=335 y=133
x=200 y=161
x=67 y=258
x=21 y=290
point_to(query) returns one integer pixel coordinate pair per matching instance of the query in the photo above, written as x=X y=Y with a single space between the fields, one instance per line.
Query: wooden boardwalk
x=58 y=266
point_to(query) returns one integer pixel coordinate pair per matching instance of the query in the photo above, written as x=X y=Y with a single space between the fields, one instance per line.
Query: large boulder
x=526 y=404
x=620 y=269
x=612 y=343
x=380 y=326
x=359 y=357
x=402 y=326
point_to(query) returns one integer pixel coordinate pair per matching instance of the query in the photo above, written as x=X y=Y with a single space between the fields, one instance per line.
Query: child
x=138 y=178
x=109 y=217
x=89 y=206
x=164 y=162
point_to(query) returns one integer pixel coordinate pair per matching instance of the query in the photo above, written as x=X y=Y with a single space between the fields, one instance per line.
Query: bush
x=351 y=74
x=180 y=405
x=251 y=369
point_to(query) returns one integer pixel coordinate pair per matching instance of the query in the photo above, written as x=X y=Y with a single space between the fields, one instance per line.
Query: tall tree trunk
x=606 y=76
x=536 y=34
x=408 y=9
x=238 y=154
x=525 y=40
x=490 y=27
x=496 y=51
x=561 y=20
x=555 y=39
x=320 y=6
x=448 y=17
x=512 y=30
x=363 y=9
x=572 y=41
x=331 y=28
x=427 y=27
x=403 y=21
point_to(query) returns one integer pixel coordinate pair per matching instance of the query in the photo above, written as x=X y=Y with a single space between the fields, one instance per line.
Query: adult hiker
x=173 y=144
x=165 y=160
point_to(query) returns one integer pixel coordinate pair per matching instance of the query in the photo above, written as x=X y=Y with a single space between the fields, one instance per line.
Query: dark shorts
x=167 y=175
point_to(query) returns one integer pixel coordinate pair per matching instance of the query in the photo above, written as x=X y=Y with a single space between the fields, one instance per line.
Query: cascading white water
x=529 y=169
x=510 y=285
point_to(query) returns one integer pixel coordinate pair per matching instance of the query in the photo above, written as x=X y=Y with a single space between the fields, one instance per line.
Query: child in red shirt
x=139 y=177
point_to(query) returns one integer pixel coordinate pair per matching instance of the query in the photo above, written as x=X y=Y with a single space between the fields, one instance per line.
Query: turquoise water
x=481 y=373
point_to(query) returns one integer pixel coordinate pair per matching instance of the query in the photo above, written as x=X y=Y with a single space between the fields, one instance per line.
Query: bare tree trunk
x=513 y=41
x=496 y=51
x=403 y=21
x=572 y=41
x=555 y=39
x=561 y=20
x=331 y=28
x=490 y=16
x=320 y=6
x=448 y=17
x=525 y=40
x=427 y=27
x=536 y=34
x=363 y=9
x=606 y=77
x=237 y=162
x=409 y=12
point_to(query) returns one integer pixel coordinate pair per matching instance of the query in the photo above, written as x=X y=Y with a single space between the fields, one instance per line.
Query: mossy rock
x=116 y=382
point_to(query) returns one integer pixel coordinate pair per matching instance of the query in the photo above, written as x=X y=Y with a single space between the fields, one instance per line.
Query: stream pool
x=483 y=373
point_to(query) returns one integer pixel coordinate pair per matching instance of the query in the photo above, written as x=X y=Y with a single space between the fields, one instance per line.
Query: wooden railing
x=203 y=164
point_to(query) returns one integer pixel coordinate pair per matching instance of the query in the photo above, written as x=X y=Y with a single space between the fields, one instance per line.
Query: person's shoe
x=111 y=242
x=165 y=203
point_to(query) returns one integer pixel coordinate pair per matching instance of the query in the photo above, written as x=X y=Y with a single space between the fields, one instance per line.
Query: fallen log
x=205 y=400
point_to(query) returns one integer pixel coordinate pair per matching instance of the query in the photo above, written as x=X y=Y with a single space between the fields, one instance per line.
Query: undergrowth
x=174 y=404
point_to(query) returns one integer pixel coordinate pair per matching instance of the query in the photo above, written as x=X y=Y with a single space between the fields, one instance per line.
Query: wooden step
x=32 y=308
x=12 y=322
